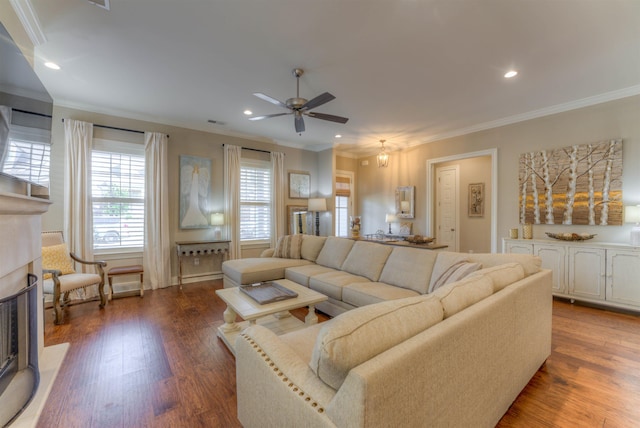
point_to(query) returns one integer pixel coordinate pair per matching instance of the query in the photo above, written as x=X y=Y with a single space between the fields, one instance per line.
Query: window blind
x=343 y=186
x=255 y=201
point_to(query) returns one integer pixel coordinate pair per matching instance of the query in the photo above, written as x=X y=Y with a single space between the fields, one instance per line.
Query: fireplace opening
x=19 y=374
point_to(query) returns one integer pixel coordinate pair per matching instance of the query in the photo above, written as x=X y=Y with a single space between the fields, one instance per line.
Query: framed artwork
x=299 y=183
x=476 y=200
x=405 y=228
x=195 y=176
x=580 y=184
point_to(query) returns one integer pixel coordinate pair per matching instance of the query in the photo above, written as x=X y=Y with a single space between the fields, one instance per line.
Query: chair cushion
x=288 y=247
x=71 y=282
x=334 y=252
x=362 y=333
x=409 y=268
x=57 y=257
x=367 y=259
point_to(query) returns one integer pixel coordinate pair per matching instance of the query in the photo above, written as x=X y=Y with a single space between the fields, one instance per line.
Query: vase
x=527 y=231
x=355 y=226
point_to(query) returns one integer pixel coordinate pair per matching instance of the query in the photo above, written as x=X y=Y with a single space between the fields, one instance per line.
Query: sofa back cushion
x=502 y=275
x=459 y=295
x=334 y=252
x=288 y=247
x=409 y=268
x=367 y=259
x=362 y=333
x=311 y=246
x=530 y=263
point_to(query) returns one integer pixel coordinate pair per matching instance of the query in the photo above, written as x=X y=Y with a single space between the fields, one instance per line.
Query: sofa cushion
x=360 y=334
x=530 y=263
x=334 y=252
x=303 y=340
x=288 y=247
x=301 y=274
x=331 y=283
x=444 y=261
x=455 y=273
x=367 y=259
x=457 y=296
x=252 y=270
x=502 y=275
x=311 y=246
x=367 y=293
x=409 y=268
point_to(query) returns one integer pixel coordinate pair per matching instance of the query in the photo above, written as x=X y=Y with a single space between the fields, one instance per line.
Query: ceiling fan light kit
x=300 y=107
x=383 y=157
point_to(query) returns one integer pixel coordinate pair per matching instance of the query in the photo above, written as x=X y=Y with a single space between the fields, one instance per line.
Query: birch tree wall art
x=580 y=184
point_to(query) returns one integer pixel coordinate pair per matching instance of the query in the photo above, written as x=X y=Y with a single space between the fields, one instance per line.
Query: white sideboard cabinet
x=607 y=274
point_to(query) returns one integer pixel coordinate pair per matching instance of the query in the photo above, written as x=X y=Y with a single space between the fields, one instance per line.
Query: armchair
x=59 y=275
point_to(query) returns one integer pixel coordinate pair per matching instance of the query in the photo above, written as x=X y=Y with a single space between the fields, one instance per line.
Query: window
x=343 y=204
x=28 y=154
x=117 y=194
x=255 y=201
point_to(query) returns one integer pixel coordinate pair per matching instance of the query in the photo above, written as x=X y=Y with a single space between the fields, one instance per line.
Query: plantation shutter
x=255 y=201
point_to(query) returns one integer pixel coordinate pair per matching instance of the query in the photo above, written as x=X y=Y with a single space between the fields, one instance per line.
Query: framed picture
x=299 y=219
x=476 y=200
x=299 y=185
x=195 y=176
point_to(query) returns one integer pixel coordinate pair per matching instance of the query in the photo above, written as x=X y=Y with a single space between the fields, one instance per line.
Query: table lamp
x=217 y=220
x=317 y=205
x=632 y=215
x=390 y=218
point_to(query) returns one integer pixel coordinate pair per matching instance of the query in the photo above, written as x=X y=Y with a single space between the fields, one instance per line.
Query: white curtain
x=232 y=155
x=277 y=190
x=78 y=219
x=5 y=126
x=156 y=258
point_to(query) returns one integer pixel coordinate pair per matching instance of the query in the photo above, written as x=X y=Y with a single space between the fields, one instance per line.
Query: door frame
x=431 y=166
x=437 y=221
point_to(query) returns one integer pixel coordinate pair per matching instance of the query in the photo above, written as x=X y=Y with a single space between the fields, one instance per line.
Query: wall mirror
x=298 y=219
x=405 y=201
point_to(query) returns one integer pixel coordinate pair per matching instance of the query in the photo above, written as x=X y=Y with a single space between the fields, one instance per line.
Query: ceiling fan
x=300 y=107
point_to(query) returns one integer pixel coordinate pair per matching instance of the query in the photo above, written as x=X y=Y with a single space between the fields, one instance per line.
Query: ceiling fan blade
x=270 y=99
x=317 y=101
x=267 y=116
x=299 y=123
x=328 y=117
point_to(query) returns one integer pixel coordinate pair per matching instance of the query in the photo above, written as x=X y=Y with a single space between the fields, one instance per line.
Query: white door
x=447 y=206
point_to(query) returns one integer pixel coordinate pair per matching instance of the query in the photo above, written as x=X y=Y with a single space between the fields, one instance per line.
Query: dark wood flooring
x=156 y=362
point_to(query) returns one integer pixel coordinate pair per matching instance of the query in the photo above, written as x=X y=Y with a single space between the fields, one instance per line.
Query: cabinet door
x=518 y=247
x=587 y=272
x=554 y=257
x=623 y=274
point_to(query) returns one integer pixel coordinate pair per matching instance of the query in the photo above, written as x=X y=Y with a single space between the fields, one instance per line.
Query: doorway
x=433 y=164
x=447 y=206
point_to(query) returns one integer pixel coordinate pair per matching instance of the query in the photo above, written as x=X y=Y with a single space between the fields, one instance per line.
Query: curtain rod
x=31 y=112
x=254 y=150
x=117 y=129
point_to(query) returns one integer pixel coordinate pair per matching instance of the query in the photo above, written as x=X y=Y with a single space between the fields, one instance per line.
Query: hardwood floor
x=157 y=362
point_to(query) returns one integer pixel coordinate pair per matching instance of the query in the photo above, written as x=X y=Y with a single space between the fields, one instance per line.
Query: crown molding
x=29 y=19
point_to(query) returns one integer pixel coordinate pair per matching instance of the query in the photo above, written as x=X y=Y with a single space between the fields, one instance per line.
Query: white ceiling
x=407 y=71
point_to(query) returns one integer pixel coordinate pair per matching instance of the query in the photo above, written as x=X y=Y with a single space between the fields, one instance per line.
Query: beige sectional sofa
x=456 y=356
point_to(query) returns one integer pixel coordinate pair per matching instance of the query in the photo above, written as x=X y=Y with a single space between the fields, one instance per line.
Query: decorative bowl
x=570 y=236
x=419 y=239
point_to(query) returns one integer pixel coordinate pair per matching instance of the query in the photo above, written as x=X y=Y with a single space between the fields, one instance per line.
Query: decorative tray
x=267 y=292
x=570 y=236
x=419 y=239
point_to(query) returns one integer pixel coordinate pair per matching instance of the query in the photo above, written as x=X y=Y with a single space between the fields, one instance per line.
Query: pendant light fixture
x=383 y=157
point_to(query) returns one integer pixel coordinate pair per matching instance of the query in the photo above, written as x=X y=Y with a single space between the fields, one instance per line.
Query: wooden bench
x=126 y=270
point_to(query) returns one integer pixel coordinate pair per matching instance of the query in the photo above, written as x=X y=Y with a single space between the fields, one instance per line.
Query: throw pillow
x=288 y=247
x=57 y=257
x=455 y=273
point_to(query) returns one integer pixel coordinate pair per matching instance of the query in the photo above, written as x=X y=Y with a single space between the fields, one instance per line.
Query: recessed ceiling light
x=511 y=73
x=338 y=136
x=248 y=112
x=52 y=65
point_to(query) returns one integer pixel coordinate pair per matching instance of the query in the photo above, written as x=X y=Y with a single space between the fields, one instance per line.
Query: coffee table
x=274 y=316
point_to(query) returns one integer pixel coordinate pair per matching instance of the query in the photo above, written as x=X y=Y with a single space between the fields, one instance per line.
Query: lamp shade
x=217 y=219
x=317 y=204
x=632 y=214
x=390 y=218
